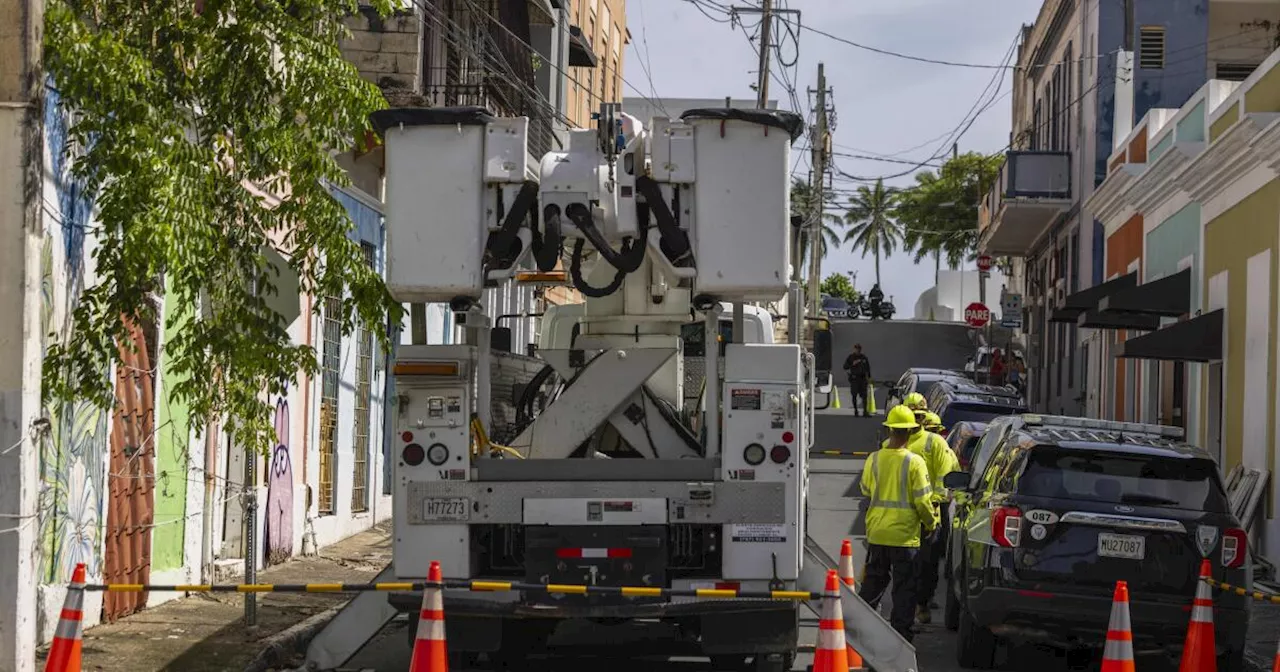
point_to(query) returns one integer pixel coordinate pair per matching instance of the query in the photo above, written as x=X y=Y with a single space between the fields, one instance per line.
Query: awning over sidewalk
x=1198 y=339
x=1169 y=296
x=1096 y=319
x=1087 y=299
x=580 y=52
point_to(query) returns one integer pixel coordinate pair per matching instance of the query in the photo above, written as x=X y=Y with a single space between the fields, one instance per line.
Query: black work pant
x=859 y=390
x=932 y=552
x=896 y=565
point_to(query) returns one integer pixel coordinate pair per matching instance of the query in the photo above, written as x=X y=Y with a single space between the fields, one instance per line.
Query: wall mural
x=73 y=453
x=279 y=519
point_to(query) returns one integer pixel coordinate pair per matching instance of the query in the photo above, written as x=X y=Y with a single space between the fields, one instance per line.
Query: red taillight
x=1235 y=544
x=407 y=437
x=780 y=454
x=728 y=585
x=1006 y=526
x=788 y=437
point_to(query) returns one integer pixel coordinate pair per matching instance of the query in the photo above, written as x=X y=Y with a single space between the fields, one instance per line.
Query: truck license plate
x=446 y=508
x=1121 y=546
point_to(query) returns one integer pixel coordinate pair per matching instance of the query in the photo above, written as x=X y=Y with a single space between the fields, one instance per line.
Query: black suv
x=922 y=380
x=960 y=400
x=1058 y=509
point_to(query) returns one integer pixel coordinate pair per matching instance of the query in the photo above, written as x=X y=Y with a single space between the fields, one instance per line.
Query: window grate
x=1234 y=72
x=364 y=390
x=1151 y=47
x=329 y=366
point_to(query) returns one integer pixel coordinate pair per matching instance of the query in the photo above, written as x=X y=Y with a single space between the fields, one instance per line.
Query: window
x=364 y=397
x=1115 y=478
x=1151 y=47
x=331 y=359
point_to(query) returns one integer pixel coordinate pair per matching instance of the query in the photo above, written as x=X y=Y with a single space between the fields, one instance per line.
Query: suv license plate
x=446 y=509
x=1121 y=546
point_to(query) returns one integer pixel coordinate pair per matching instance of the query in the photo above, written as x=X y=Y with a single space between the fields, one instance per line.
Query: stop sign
x=984 y=263
x=977 y=315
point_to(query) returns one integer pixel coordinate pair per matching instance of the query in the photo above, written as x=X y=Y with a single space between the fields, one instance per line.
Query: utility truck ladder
x=876 y=641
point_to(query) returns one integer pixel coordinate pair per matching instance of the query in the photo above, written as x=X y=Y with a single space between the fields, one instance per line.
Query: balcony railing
x=456 y=87
x=1031 y=190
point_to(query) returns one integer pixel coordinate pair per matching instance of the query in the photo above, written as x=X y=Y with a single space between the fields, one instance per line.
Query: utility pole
x=22 y=172
x=766 y=35
x=814 y=228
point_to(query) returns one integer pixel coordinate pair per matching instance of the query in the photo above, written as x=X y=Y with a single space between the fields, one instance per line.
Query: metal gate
x=131 y=479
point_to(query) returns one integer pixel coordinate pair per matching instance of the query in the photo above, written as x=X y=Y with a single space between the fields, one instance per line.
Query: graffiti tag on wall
x=279 y=523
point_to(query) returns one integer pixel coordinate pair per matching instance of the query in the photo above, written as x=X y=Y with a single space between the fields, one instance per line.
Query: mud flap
x=352 y=627
x=879 y=644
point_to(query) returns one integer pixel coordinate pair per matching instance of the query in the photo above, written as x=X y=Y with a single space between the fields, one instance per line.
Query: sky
x=884 y=105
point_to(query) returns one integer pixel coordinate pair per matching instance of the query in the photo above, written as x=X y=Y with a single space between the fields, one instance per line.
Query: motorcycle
x=882 y=310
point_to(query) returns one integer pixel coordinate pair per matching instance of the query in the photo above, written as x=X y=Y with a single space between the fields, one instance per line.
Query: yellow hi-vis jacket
x=897 y=483
x=938 y=457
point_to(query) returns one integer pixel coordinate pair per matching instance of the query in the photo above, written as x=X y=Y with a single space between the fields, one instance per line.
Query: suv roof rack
x=1036 y=419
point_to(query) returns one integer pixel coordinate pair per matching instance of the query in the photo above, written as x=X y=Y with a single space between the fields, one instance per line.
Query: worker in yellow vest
x=896 y=481
x=941 y=460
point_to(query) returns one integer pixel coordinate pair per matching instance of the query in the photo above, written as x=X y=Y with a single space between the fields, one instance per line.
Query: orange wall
x=1123 y=247
x=1138 y=148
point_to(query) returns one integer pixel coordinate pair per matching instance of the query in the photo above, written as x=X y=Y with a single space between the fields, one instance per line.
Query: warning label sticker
x=744 y=399
x=758 y=534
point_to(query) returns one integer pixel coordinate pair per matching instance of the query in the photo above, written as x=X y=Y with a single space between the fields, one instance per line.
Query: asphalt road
x=836 y=509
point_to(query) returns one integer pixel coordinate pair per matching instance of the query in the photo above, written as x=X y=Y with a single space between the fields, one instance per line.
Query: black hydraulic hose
x=547 y=245
x=580 y=284
x=502 y=246
x=675 y=242
x=632 y=254
x=524 y=405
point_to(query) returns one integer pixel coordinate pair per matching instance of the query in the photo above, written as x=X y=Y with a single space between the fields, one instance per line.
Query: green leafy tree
x=873 y=227
x=838 y=285
x=939 y=215
x=804 y=203
x=188 y=113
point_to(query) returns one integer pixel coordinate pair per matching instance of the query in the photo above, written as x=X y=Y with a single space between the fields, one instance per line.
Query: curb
x=279 y=649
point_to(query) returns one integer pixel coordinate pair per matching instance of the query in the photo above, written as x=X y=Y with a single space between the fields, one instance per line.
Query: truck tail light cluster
x=1006 y=526
x=1235 y=544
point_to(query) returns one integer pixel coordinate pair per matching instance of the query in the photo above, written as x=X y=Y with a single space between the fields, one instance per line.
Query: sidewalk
x=206 y=632
x=1264 y=632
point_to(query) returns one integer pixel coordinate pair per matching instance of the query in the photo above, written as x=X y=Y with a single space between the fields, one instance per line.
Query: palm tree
x=804 y=203
x=872 y=224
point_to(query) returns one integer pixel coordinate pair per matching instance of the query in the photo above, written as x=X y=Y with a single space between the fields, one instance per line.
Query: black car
x=835 y=307
x=961 y=400
x=1056 y=510
x=922 y=380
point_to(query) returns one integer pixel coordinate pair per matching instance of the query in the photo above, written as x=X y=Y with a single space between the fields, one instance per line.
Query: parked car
x=1057 y=509
x=959 y=400
x=835 y=307
x=920 y=379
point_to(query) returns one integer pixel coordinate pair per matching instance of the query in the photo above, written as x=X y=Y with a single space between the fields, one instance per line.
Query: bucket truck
x=665 y=230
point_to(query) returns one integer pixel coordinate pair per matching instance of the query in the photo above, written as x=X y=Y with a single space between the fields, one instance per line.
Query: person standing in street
x=896 y=481
x=859 y=369
x=941 y=460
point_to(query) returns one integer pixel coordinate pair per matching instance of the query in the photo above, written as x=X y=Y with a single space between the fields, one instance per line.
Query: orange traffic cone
x=64 y=654
x=832 y=654
x=846 y=576
x=1199 y=652
x=1117 y=655
x=429 y=651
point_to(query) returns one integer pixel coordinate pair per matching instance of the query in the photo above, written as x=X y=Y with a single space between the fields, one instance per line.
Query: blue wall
x=1186 y=66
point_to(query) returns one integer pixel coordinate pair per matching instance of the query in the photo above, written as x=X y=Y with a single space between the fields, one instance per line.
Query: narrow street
x=837 y=514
